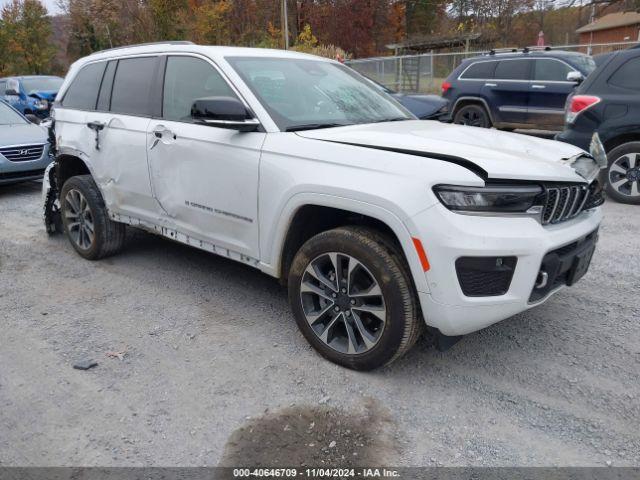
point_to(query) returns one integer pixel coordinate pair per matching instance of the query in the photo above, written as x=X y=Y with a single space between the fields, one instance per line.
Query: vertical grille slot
x=564 y=202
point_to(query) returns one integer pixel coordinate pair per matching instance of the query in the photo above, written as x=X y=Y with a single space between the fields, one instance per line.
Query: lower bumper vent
x=485 y=276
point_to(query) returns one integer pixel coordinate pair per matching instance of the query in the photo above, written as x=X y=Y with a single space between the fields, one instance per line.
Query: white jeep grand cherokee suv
x=380 y=224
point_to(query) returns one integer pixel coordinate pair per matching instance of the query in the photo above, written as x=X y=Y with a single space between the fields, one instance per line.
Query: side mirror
x=575 y=76
x=32 y=118
x=224 y=112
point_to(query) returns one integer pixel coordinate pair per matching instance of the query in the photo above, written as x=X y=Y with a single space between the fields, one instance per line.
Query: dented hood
x=501 y=155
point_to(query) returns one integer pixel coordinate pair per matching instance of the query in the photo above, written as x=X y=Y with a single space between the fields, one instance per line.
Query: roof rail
x=495 y=51
x=168 y=42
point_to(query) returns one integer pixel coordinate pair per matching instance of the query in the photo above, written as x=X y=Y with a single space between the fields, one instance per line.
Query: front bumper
x=447 y=236
x=12 y=172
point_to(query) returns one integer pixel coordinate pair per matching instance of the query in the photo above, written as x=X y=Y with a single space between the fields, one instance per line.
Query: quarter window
x=480 y=71
x=83 y=91
x=628 y=75
x=550 y=71
x=132 y=86
x=513 y=70
x=186 y=80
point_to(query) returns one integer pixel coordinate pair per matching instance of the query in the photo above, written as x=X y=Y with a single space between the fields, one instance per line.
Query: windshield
x=303 y=94
x=42 y=84
x=8 y=116
x=585 y=63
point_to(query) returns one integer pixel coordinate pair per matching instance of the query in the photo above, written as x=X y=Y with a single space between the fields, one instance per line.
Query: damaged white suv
x=382 y=226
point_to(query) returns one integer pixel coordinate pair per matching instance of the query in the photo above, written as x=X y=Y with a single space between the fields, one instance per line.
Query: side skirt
x=183 y=238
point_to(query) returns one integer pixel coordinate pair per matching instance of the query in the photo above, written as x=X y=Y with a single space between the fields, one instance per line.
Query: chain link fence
x=425 y=73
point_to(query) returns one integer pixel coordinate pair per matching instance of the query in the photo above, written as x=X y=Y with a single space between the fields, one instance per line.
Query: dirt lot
x=213 y=370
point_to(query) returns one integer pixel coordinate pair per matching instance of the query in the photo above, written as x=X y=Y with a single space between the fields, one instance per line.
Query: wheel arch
x=308 y=215
x=69 y=165
x=620 y=139
x=472 y=100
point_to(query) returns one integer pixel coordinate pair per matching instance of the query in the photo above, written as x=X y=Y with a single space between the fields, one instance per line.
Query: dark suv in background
x=608 y=102
x=523 y=89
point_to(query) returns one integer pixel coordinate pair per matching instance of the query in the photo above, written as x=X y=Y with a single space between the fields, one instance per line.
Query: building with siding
x=614 y=27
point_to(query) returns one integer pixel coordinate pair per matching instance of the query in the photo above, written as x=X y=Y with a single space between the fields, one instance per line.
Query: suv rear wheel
x=623 y=173
x=352 y=298
x=86 y=221
x=473 y=115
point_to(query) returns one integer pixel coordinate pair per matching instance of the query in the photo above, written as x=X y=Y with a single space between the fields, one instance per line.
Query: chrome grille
x=22 y=153
x=564 y=202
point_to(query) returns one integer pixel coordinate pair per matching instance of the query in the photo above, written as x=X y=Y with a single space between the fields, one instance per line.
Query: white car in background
x=380 y=224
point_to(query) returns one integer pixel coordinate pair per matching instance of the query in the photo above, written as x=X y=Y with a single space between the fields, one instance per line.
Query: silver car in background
x=24 y=147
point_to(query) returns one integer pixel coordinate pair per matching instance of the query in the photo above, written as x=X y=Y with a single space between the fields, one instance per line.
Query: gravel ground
x=212 y=370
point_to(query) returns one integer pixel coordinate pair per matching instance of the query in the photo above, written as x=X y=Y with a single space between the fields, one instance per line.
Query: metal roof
x=612 y=20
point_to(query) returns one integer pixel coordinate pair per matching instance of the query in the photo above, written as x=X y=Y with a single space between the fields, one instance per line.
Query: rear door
x=508 y=92
x=549 y=91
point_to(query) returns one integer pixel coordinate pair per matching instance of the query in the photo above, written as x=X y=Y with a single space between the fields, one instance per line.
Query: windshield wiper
x=395 y=119
x=314 y=126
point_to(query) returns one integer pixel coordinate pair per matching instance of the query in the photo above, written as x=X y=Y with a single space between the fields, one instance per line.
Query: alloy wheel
x=343 y=303
x=79 y=219
x=624 y=175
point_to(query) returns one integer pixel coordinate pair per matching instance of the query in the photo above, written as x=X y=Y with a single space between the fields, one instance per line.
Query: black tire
x=108 y=236
x=473 y=115
x=618 y=162
x=380 y=258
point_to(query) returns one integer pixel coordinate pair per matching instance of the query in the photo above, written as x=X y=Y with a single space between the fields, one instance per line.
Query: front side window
x=628 y=75
x=83 y=91
x=480 y=71
x=132 y=86
x=186 y=80
x=8 y=116
x=303 y=94
x=550 y=70
x=513 y=70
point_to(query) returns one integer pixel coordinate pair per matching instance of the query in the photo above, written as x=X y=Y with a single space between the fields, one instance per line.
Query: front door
x=549 y=91
x=205 y=179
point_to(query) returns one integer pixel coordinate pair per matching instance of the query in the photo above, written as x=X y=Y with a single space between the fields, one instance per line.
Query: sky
x=51 y=5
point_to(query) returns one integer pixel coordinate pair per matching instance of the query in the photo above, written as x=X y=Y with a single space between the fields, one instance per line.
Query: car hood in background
x=502 y=155
x=422 y=106
x=44 y=95
x=21 y=134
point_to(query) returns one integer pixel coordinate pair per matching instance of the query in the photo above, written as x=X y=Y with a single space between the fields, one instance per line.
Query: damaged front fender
x=50 y=198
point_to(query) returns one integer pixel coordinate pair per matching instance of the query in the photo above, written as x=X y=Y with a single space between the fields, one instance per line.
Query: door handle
x=538 y=86
x=158 y=134
x=97 y=127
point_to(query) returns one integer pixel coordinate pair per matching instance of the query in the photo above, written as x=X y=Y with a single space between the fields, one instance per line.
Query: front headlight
x=41 y=104
x=492 y=199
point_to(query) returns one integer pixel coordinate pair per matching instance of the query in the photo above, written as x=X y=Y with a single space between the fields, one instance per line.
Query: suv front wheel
x=623 y=173
x=86 y=221
x=352 y=298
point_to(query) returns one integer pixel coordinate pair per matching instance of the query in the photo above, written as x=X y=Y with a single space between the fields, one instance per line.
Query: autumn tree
x=25 y=38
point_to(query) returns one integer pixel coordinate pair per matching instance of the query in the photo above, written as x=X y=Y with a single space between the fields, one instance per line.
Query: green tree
x=26 y=38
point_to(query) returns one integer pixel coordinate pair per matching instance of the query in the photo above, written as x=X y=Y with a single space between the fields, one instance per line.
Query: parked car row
x=30 y=95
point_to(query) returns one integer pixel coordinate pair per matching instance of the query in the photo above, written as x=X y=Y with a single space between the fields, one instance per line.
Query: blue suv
x=519 y=89
x=30 y=95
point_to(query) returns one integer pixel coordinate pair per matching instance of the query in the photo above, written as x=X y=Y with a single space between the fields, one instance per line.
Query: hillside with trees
x=31 y=41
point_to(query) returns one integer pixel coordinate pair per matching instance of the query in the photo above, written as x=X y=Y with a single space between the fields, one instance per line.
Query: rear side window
x=187 y=79
x=83 y=91
x=550 y=70
x=480 y=71
x=132 y=86
x=628 y=75
x=513 y=70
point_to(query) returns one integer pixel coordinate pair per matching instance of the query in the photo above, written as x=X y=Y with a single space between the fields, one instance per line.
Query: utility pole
x=285 y=24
